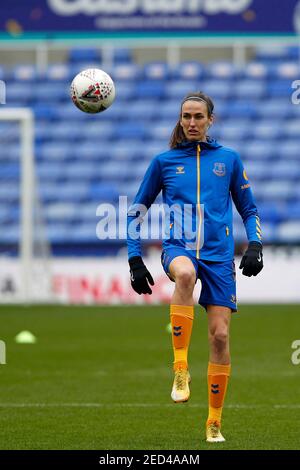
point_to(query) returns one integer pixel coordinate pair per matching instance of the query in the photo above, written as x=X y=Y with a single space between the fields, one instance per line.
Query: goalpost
x=34 y=250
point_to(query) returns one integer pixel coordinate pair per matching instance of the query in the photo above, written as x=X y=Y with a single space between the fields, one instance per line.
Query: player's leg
x=218 y=367
x=182 y=271
x=218 y=297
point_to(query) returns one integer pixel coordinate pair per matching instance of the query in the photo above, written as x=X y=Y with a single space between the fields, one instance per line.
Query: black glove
x=140 y=276
x=252 y=261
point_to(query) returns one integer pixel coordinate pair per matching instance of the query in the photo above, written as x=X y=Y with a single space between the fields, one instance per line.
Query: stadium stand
x=83 y=160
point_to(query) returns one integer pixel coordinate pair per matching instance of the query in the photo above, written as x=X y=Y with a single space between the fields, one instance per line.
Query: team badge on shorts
x=219 y=169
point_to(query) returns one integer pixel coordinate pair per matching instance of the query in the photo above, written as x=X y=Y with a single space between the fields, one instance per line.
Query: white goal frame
x=26 y=119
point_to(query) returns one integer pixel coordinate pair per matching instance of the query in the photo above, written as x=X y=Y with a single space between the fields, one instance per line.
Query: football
x=92 y=91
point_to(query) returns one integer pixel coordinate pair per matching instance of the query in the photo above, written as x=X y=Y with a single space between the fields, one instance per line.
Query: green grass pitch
x=100 y=378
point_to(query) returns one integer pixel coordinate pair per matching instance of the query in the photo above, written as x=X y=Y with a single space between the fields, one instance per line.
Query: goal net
x=25 y=274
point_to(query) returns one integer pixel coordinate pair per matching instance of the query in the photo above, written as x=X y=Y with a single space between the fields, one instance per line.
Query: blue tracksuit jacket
x=206 y=177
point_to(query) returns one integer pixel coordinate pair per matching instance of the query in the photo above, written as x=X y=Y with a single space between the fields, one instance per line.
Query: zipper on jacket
x=198 y=203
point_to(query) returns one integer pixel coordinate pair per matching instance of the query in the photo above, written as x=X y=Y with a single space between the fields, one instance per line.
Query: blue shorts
x=217 y=278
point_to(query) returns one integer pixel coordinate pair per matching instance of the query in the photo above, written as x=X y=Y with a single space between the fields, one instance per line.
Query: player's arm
x=146 y=195
x=252 y=261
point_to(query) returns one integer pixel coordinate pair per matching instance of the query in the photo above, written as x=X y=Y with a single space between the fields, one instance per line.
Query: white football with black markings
x=92 y=91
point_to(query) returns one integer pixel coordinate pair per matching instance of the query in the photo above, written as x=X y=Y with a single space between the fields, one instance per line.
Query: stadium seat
x=127 y=72
x=235 y=127
x=222 y=70
x=276 y=108
x=20 y=93
x=289 y=232
x=150 y=89
x=256 y=70
x=84 y=55
x=279 y=88
x=267 y=129
x=122 y=55
x=24 y=73
x=240 y=108
x=288 y=70
x=59 y=73
x=156 y=71
x=249 y=89
x=188 y=71
x=218 y=88
x=178 y=89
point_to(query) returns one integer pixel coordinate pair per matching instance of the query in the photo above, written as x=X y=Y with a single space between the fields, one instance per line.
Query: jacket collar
x=189 y=145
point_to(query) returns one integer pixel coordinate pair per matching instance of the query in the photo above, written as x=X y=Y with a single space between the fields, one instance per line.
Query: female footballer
x=199 y=173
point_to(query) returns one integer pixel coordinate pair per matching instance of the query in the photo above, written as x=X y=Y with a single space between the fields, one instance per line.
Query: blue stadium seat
x=249 y=89
x=256 y=70
x=240 y=108
x=293 y=211
x=129 y=130
x=291 y=128
x=127 y=72
x=125 y=90
x=125 y=151
x=103 y=192
x=24 y=73
x=62 y=211
x=272 y=212
x=289 y=150
x=285 y=169
x=59 y=151
x=235 y=128
x=275 y=190
x=279 y=88
x=222 y=70
x=259 y=150
x=9 y=192
x=276 y=108
x=267 y=129
x=188 y=71
x=288 y=70
x=122 y=55
x=84 y=55
x=51 y=92
x=144 y=110
x=218 y=88
x=10 y=152
x=161 y=130
x=59 y=73
x=170 y=110
x=289 y=232
x=83 y=171
x=178 y=89
x=11 y=234
x=49 y=171
x=19 y=93
x=49 y=192
x=257 y=170
x=271 y=52
x=156 y=71
x=150 y=89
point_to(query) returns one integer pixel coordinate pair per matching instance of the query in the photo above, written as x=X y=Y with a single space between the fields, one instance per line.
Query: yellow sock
x=182 y=317
x=217 y=379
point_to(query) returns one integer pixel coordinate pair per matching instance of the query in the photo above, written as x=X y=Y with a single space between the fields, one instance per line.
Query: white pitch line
x=137 y=405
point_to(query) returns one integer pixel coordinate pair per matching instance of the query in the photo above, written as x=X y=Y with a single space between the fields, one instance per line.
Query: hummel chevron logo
x=215 y=386
x=176 y=328
x=177 y=334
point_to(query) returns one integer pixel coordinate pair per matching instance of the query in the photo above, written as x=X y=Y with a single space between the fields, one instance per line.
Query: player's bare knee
x=185 y=279
x=219 y=339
